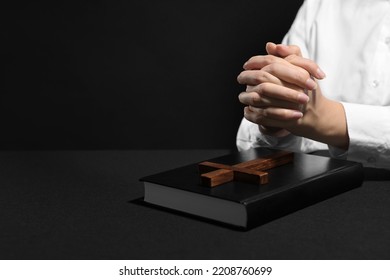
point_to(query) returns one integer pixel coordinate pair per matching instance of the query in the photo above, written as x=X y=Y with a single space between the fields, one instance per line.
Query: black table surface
x=83 y=205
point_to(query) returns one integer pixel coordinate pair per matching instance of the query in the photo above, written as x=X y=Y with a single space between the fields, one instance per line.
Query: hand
x=260 y=83
x=291 y=54
x=271 y=101
x=276 y=101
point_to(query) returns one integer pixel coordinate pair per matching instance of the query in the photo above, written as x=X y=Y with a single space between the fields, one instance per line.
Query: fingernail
x=270 y=44
x=310 y=84
x=320 y=73
x=245 y=64
x=297 y=115
x=303 y=98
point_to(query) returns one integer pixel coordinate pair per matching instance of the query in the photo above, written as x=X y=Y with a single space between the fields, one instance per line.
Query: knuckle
x=249 y=115
x=272 y=68
x=264 y=88
x=291 y=58
x=302 y=75
x=259 y=118
x=261 y=77
x=246 y=113
x=269 y=59
x=249 y=88
x=261 y=88
x=254 y=59
x=286 y=114
x=253 y=100
x=296 y=49
x=253 y=114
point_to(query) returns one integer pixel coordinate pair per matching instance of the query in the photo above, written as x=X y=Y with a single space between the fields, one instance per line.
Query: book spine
x=316 y=189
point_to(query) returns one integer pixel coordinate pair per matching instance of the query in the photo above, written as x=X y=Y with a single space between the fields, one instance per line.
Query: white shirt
x=350 y=41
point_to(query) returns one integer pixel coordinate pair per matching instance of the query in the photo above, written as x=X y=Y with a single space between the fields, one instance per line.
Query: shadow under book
x=247 y=189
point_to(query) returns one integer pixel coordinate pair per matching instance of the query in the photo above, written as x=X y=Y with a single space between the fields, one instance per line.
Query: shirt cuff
x=337 y=152
x=369 y=134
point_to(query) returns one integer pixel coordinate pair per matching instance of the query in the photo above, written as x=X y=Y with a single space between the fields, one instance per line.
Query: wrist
x=330 y=124
x=273 y=131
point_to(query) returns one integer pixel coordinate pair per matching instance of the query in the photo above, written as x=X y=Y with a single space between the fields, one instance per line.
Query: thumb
x=282 y=50
x=292 y=54
x=271 y=48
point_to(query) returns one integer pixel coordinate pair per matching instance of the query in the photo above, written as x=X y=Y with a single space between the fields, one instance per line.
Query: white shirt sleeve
x=249 y=136
x=369 y=134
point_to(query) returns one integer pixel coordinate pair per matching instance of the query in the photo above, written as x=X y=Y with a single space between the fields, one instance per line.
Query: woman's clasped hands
x=283 y=97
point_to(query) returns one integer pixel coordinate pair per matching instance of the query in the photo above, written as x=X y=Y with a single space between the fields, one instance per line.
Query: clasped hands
x=283 y=97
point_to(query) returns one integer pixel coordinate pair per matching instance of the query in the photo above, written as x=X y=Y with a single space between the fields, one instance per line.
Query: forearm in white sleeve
x=369 y=134
x=249 y=136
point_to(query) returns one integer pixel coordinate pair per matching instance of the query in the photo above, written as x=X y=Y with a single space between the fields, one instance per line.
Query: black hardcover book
x=306 y=180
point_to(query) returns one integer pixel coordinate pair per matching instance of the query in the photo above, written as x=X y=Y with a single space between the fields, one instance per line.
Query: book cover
x=306 y=180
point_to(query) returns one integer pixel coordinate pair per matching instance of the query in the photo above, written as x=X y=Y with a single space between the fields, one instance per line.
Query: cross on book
x=253 y=171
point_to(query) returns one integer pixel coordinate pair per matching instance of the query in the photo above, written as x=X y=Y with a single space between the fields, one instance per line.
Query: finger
x=281 y=93
x=276 y=114
x=271 y=117
x=286 y=50
x=281 y=50
x=255 y=77
x=252 y=78
x=271 y=49
x=259 y=61
x=293 y=55
x=260 y=101
x=307 y=64
x=250 y=88
x=292 y=74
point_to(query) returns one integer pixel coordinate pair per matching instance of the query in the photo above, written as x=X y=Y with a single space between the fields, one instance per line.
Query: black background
x=130 y=74
x=144 y=75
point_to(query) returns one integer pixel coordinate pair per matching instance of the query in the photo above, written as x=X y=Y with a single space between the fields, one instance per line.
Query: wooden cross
x=253 y=171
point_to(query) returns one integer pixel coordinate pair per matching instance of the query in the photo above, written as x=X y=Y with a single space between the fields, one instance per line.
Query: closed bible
x=289 y=185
